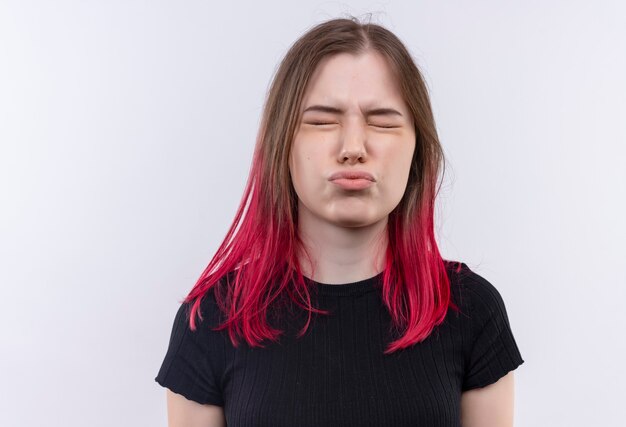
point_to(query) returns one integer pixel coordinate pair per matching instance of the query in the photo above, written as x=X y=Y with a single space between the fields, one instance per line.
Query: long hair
x=257 y=265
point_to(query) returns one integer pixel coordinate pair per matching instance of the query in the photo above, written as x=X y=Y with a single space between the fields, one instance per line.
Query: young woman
x=328 y=303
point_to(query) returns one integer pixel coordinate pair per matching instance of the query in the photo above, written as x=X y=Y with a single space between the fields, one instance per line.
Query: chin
x=352 y=224
x=352 y=221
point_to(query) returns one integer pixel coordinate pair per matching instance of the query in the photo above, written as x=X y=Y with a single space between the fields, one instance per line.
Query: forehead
x=345 y=77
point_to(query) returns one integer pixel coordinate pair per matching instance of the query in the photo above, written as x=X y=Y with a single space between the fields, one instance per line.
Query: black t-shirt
x=337 y=374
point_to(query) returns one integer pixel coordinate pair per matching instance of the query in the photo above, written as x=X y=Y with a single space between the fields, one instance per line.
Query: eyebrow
x=370 y=112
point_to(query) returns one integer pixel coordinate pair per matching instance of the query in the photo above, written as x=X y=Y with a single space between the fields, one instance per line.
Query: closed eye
x=321 y=123
x=331 y=123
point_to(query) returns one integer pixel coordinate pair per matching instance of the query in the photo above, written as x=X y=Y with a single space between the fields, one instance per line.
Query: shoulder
x=473 y=293
x=489 y=345
x=195 y=360
x=208 y=314
x=206 y=317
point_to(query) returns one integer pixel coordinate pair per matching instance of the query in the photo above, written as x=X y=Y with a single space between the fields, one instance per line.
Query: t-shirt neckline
x=345 y=289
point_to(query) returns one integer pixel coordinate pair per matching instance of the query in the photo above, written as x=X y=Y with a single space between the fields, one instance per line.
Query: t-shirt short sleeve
x=493 y=351
x=194 y=360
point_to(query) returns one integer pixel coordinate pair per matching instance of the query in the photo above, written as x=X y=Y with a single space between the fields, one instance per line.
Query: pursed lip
x=352 y=175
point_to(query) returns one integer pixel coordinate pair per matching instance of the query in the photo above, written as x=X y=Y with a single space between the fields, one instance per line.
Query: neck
x=341 y=254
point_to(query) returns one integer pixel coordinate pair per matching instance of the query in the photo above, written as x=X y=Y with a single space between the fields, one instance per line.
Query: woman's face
x=353 y=118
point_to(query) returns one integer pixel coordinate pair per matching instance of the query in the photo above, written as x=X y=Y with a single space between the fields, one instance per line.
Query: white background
x=127 y=131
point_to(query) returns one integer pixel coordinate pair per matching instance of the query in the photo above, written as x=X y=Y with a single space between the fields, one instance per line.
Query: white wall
x=126 y=132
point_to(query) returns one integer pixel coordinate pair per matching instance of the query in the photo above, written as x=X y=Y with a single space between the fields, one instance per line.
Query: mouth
x=353 y=183
x=355 y=174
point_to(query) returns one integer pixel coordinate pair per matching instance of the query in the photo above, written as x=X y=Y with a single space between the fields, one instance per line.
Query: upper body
x=347 y=161
x=336 y=374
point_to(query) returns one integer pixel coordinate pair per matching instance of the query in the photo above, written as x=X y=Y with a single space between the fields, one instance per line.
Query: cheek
x=302 y=169
x=397 y=167
x=305 y=158
x=404 y=157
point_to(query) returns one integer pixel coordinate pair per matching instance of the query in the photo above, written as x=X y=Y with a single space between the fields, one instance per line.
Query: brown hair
x=261 y=246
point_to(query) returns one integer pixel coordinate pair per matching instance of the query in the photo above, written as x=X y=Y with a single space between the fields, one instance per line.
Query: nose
x=352 y=142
